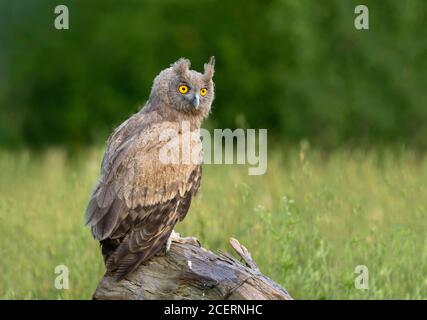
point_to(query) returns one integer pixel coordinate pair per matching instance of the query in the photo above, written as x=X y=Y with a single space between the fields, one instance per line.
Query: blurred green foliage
x=298 y=68
x=308 y=222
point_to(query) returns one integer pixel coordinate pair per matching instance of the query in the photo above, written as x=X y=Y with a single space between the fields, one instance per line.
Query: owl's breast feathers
x=139 y=198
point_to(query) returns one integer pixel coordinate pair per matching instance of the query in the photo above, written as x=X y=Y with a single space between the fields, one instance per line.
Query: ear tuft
x=210 y=68
x=181 y=66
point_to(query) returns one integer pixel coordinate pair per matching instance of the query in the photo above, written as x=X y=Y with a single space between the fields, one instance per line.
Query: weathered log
x=189 y=271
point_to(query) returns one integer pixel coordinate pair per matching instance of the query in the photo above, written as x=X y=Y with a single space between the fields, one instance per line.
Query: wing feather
x=138 y=200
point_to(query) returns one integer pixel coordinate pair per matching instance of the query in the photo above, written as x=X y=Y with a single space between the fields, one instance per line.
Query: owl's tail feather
x=123 y=261
x=128 y=264
x=108 y=247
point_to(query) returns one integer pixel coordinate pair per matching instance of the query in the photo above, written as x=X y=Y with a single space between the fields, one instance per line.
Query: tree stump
x=189 y=271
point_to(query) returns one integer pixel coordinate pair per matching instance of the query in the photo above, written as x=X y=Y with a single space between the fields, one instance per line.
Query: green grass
x=308 y=222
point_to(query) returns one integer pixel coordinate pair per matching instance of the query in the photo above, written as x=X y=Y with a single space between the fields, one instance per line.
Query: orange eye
x=203 y=92
x=183 y=89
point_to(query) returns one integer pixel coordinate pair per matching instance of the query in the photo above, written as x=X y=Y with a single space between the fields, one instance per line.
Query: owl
x=139 y=198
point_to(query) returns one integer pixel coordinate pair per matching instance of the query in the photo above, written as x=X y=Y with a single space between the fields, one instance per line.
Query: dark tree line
x=298 y=68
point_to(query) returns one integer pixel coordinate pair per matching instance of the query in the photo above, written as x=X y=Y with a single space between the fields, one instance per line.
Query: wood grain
x=189 y=271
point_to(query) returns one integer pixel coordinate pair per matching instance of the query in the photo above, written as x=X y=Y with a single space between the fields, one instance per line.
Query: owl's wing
x=139 y=198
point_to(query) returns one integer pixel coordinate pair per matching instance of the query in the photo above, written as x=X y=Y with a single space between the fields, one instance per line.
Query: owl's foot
x=189 y=240
x=173 y=237
x=177 y=238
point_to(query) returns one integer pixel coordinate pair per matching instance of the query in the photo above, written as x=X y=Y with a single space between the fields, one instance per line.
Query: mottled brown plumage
x=139 y=198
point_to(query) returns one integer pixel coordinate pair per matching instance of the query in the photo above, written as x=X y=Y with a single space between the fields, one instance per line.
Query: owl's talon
x=174 y=236
x=168 y=245
x=190 y=240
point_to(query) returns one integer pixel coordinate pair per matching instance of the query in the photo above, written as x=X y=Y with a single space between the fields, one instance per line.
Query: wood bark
x=189 y=271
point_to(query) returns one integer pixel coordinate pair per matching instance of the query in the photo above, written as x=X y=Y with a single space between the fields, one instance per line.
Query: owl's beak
x=195 y=101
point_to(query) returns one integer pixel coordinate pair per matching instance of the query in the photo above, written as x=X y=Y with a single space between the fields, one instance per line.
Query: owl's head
x=186 y=90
